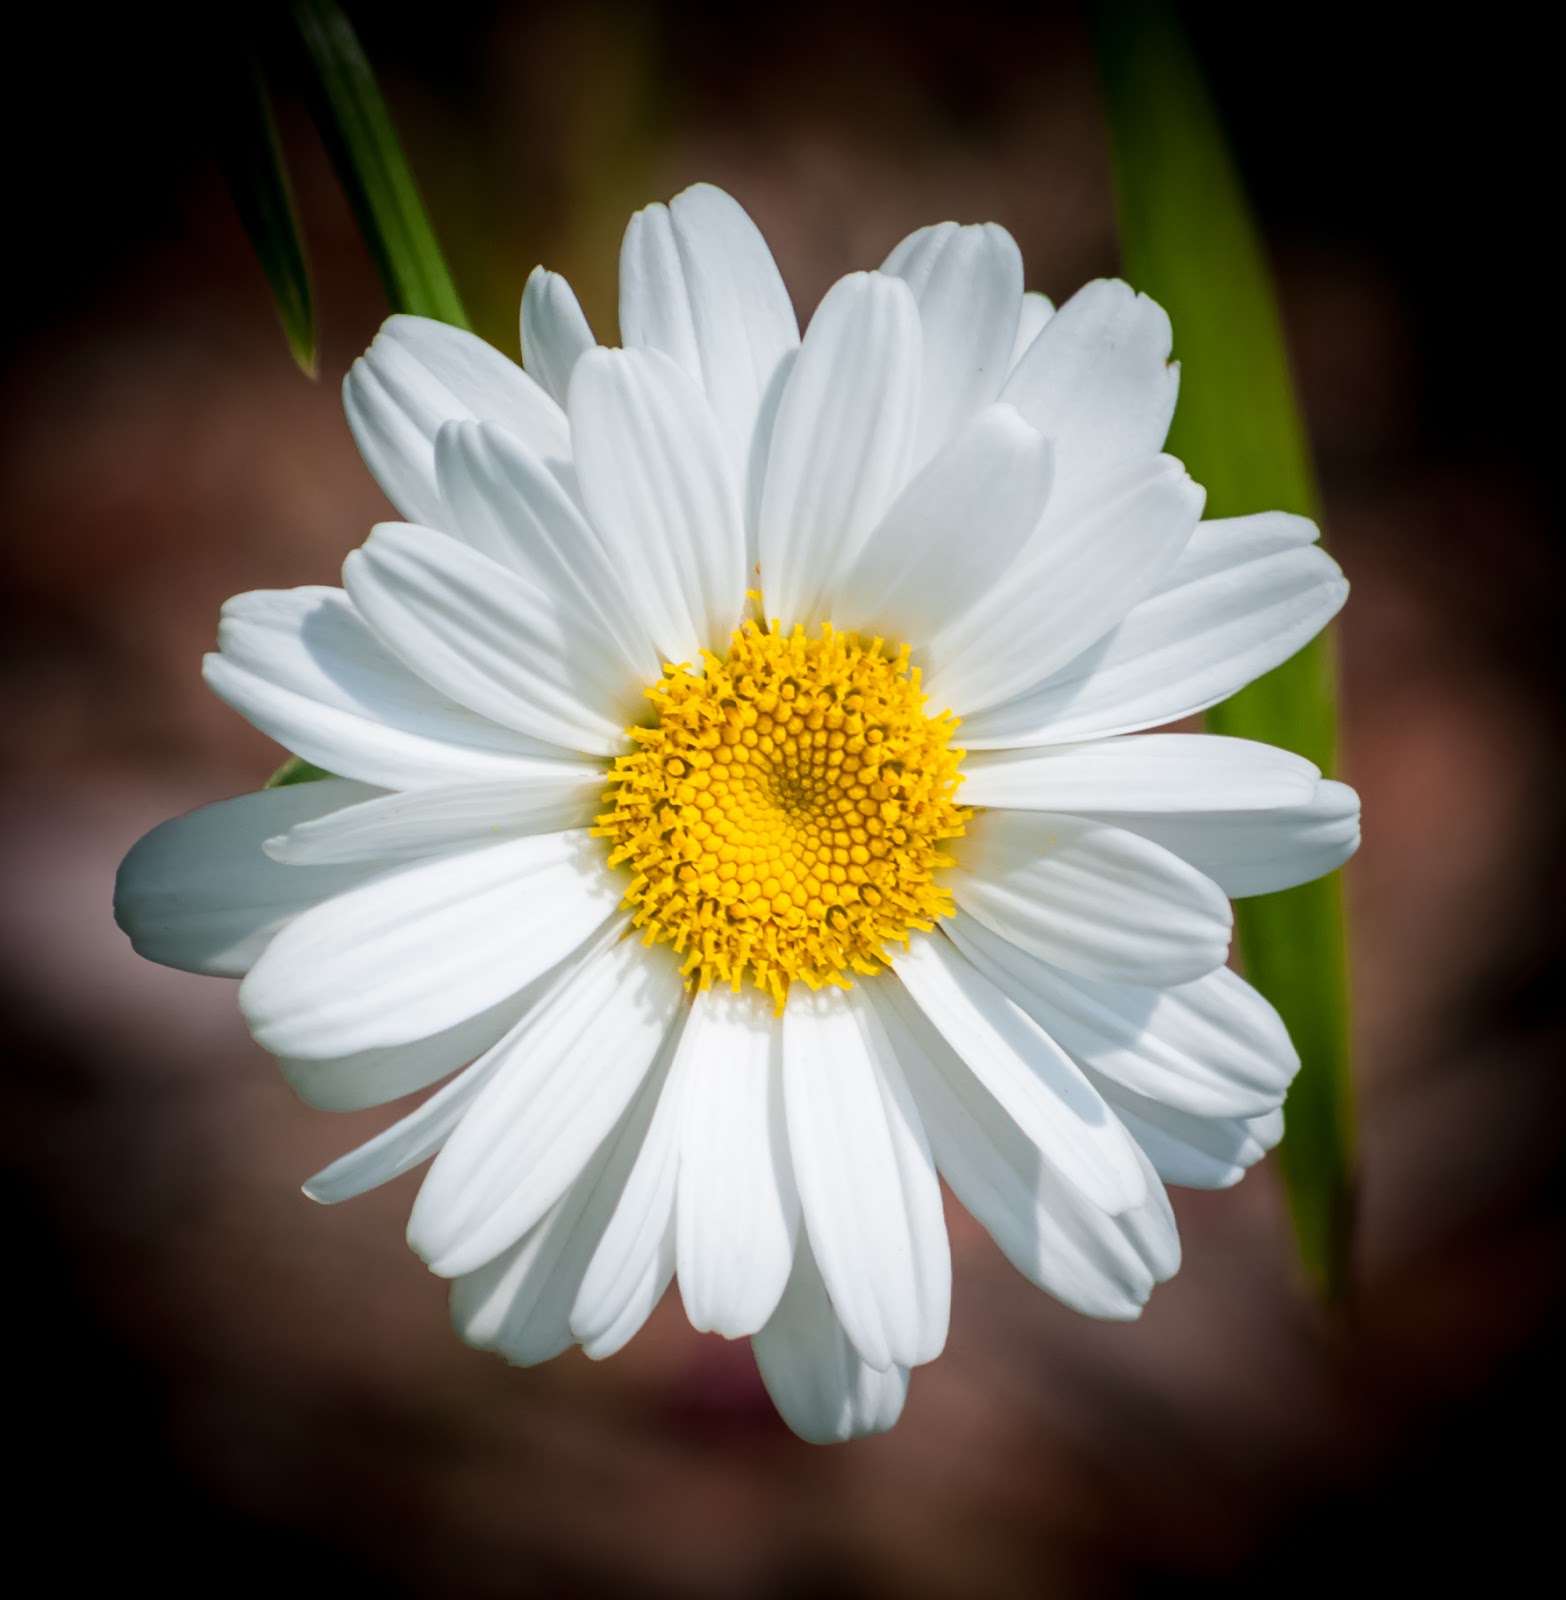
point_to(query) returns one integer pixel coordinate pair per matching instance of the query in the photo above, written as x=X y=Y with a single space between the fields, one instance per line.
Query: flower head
x=744 y=806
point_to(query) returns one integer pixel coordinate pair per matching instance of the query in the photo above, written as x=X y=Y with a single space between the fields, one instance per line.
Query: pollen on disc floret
x=783 y=818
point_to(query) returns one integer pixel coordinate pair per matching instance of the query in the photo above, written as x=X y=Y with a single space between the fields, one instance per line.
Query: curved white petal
x=555 y=334
x=419 y=948
x=1214 y=1048
x=303 y=667
x=200 y=893
x=429 y=822
x=1258 y=852
x=841 y=445
x=402 y=1146
x=1157 y=773
x=568 y=1073
x=1037 y=309
x=419 y=374
x=418 y=1135
x=520 y=1303
x=1034 y=1080
x=1092 y=558
x=1099 y=901
x=698 y=283
x=736 y=1208
x=634 y=1260
x=660 y=493
x=1101 y=1264
x=967 y=282
x=1195 y=1152
x=524 y=658
x=823 y=1388
x=867 y=1186
x=506 y=503
x=950 y=536
x=373 y=1077
x=1244 y=595
x=1098 y=380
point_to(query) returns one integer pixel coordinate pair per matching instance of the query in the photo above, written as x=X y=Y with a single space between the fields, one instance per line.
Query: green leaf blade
x=1189 y=242
x=251 y=157
x=296 y=770
x=358 y=131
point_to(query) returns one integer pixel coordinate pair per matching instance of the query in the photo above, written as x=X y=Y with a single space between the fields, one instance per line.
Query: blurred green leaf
x=296 y=770
x=358 y=131
x=253 y=167
x=1189 y=242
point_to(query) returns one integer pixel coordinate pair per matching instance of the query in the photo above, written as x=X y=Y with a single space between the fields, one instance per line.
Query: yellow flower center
x=783 y=818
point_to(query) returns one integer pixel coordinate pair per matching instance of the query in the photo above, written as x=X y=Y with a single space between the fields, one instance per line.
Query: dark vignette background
x=217 y=1387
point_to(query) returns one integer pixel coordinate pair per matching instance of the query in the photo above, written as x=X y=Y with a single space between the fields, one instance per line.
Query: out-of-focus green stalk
x=252 y=161
x=1189 y=242
x=358 y=131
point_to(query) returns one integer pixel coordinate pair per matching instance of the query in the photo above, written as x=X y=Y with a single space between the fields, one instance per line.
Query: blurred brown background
x=219 y=1387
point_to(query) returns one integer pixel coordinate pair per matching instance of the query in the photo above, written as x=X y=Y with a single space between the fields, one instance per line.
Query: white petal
x=736 y=1208
x=1098 y=380
x=1196 y=1152
x=372 y=1077
x=1157 y=773
x=1258 y=852
x=555 y=334
x=951 y=534
x=867 y=1186
x=568 y=1073
x=968 y=285
x=420 y=948
x=200 y=893
x=417 y=1136
x=1037 y=309
x=419 y=374
x=1040 y=1087
x=1097 y=1263
x=305 y=669
x=823 y=1388
x=1214 y=1047
x=506 y=503
x=1092 y=558
x=842 y=443
x=1245 y=594
x=1098 y=901
x=659 y=492
x=698 y=282
x=634 y=1260
x=402 y=1146
x=520 y=1303
x=428 y=822
x=522 y=657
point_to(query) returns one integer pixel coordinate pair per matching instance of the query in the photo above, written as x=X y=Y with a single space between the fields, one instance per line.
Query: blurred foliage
x=358 y=132
x=357 y=128
x=253 y=167
x=296 y=770
x=1190 y=243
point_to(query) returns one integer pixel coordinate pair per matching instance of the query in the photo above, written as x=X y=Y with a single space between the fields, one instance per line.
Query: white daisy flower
x=743 y=806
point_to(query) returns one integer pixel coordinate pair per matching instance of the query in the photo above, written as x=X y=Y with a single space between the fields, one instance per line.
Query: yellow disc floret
x=783 y=818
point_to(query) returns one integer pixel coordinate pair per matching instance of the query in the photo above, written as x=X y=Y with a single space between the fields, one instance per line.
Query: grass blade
x=357 y=128
x=1189 y=242
x=251 y=157
x=358 y=131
